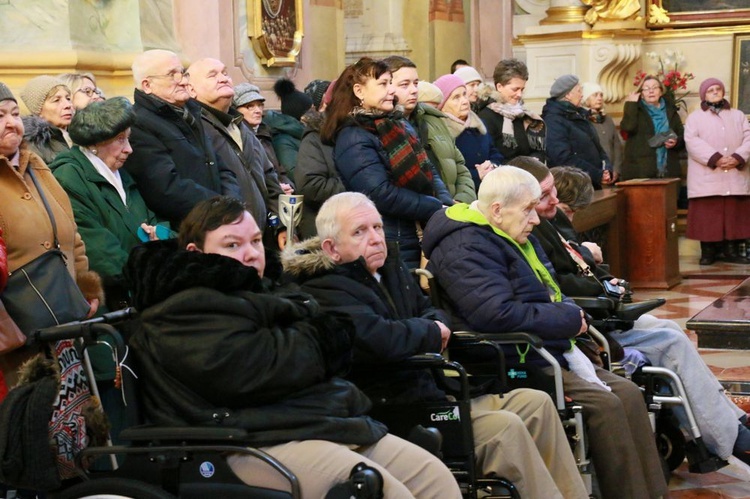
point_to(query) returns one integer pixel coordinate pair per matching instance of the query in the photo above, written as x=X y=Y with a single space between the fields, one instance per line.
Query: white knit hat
x=468 y=74
x=590 y=89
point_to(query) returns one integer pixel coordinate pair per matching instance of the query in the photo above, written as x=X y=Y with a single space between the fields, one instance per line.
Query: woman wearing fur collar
x=50 y=102
x=467 y=129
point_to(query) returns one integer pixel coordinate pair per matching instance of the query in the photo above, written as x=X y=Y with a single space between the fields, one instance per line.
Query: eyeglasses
x=90 y=92
x=176 y=75
x=650 y=89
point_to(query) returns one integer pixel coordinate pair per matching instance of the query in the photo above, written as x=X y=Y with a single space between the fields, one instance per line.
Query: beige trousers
x=408 y=470
x=519 y=437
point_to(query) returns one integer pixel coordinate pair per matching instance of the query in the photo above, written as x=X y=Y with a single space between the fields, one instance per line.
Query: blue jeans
x=665 y=344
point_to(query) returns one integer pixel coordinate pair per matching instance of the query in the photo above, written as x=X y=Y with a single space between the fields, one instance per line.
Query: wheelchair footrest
x=700 y=460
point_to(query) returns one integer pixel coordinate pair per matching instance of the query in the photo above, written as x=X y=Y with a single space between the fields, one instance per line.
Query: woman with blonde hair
x=82 y=87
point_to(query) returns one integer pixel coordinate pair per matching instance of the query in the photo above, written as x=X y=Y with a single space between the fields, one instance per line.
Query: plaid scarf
x=409 y=165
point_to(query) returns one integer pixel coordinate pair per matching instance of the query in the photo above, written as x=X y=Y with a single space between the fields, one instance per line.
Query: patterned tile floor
x=701 y=286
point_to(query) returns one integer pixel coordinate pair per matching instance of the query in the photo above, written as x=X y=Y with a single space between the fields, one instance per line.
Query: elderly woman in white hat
x=609 y=137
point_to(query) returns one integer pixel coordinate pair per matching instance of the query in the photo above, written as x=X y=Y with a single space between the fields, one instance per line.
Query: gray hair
x=327 y=221
x=506 y=185
x=507 y=69
x=143 y=64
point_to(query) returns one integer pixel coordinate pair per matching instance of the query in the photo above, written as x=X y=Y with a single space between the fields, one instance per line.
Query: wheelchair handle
x=89 y=330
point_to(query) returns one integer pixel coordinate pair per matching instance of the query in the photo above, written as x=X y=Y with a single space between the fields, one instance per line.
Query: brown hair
x=651 y=77
x=532 y=165
x=208 y=215
x=396 y=62
x=574 y=186
x=507 y=69
x=343 y=99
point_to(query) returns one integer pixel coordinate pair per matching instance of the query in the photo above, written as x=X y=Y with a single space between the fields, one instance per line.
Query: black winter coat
x=44 y=138
x=217 y=348
x=572 y=140
x=172 y=162
x=393 y=319
x=258 y=183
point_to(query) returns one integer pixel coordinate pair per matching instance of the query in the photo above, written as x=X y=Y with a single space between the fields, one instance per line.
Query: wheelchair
x=662 y=388
x=170 y=462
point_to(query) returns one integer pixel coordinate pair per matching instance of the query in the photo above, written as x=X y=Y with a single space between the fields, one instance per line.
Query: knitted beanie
x=5 y=93
x=562 y=86
x=293 y=102
x=468 y=74
x=429 y=93
x=36 y=91
x=245 y=93
x=447 y=84
x=101 y=121
x=590 y=89
x=707 y=83
x=316 y=89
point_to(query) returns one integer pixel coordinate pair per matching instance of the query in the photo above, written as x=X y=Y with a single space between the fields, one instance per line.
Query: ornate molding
x=613 y=77
x=570 y=14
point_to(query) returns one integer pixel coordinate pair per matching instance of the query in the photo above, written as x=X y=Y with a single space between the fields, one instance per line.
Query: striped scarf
x=409 y=164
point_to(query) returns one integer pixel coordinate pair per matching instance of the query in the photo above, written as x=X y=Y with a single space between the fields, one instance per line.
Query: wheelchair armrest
x=422 y=361
x=591 y=303
x=500 y=338
x=632 y=311
x=182 y=433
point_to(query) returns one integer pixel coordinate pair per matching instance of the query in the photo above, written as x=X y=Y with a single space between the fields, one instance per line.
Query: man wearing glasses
x=173 y=161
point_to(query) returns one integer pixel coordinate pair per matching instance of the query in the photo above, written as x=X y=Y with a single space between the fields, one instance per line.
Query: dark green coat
x=107 y=226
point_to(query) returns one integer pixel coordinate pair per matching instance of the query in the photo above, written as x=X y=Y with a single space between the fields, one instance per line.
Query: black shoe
x=731 y=253
x=708 y=253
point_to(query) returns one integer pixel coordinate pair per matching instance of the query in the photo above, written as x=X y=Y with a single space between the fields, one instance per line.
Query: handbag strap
x=46 y=205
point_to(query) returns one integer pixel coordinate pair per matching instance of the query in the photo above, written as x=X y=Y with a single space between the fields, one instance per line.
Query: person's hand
x=669 y=144
x=607 y=177
x=93 y=307
x=150 y=230
x=633 y=97
x=595 y=249
x=727 y=163
x=616 y=282
x=584 y=324
x=484 y=168
x=445 y=335
x=287 y=188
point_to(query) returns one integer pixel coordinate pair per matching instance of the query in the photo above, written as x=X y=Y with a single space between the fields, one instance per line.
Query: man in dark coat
x=220 y=347
x=173 y=161
x=497 y=279
x=351 y=270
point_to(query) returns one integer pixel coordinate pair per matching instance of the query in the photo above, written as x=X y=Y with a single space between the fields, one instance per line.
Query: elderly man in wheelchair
x=497 y=279
x=220 y=347
x=350 y=269
x=658 y=341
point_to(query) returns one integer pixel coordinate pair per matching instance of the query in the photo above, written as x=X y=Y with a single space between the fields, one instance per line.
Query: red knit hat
x=707 y=83
x=447 y=84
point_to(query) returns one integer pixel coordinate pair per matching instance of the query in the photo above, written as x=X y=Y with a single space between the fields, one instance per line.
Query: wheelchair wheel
x=114 y=488
x=671 y=443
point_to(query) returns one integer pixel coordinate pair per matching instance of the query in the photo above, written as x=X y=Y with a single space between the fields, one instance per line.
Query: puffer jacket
x=365 y=167
x=43 y=138
x=393 y=319
x=443 y=153
x=286 y=134
x=490 y=287
x=315 y=176
x=218 y=348
x=573 y=141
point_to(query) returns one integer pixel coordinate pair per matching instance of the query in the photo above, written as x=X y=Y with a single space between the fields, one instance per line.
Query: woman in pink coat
x=718 y=145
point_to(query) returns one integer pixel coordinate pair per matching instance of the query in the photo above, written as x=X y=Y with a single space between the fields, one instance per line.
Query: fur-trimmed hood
x=305 y=259
x=38 y=131
x=313 y=120
x=160 y=269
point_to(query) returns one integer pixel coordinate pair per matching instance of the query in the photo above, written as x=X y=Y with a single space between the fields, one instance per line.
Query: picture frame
x=275 y=28
x=694 y=13
x=740 y=97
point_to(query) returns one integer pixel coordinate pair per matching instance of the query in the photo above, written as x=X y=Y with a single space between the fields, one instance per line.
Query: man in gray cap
x=173 y=161
x=571 y=138
x=249 y=101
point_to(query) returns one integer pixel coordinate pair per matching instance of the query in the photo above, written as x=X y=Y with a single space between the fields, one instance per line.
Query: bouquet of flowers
x=668 y=73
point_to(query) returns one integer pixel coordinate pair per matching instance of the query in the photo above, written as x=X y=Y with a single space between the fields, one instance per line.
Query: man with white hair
x=350 y=269
x=497 y=279
x=232 y=139
x=173 y=161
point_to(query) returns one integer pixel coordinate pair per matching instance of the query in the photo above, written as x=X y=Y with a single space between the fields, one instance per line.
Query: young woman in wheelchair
x=218 y=345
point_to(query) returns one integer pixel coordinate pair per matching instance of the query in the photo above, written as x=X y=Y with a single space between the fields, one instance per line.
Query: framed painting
x=740 y=97
x=275 y=29
x=692 y=13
